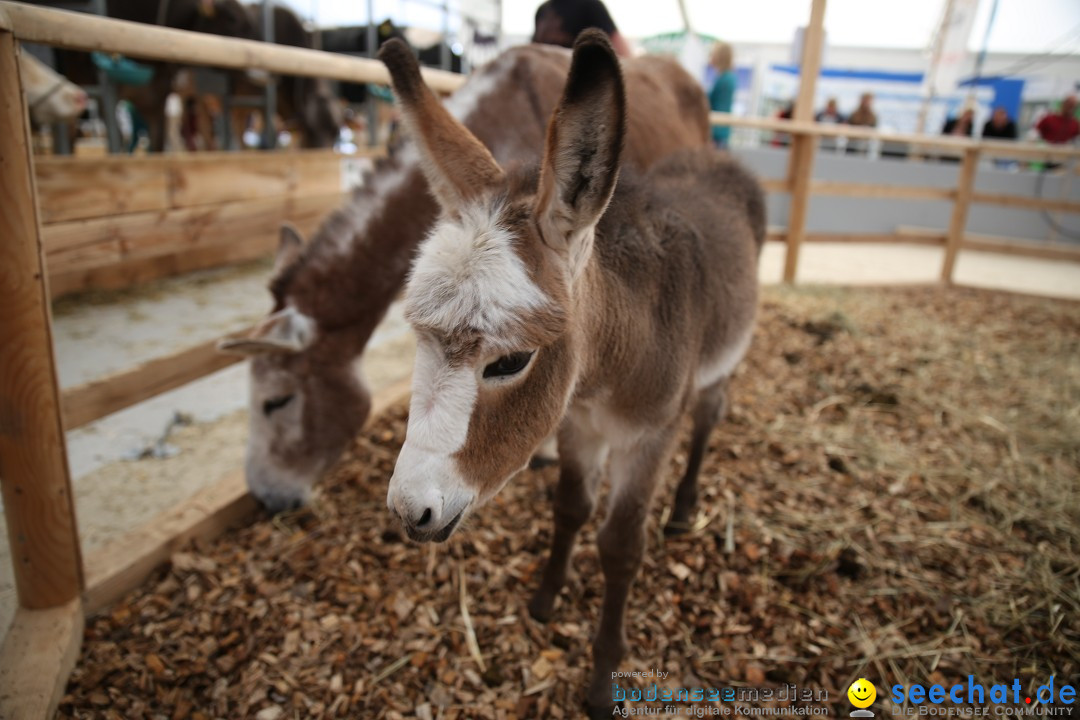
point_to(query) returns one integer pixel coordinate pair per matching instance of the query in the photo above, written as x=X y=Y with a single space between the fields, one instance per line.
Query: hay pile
x=895 y=495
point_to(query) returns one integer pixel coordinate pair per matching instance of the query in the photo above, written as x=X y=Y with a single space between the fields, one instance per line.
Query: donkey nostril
x=425 y=518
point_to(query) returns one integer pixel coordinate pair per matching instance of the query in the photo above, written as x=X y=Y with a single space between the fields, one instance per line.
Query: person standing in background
x=961 y=126
x=558 y=22
x=831 y=116
x=1000 y=126
x=722 y=93
x=864 y=116
x=1060 y=127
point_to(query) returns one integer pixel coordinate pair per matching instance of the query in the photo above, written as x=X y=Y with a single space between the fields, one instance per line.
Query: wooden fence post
x=964 y=190
x=34 y=473
x=801 y=155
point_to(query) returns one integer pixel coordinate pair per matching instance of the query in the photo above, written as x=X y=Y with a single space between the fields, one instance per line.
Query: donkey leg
x=634 y=476
x=710 y=408
x=581 y=457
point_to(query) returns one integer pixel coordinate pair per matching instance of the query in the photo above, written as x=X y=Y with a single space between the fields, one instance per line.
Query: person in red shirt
x=1062 y=127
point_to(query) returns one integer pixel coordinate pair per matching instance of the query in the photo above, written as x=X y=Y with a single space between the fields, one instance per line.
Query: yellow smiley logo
x=862 y=693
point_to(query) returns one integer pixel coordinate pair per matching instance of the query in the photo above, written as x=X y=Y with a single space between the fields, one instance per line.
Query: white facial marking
x=426 y=475
x=726 y=361
x=468 y=275
x=274 y=484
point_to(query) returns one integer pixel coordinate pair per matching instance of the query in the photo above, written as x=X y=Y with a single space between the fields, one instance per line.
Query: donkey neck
x=357 y=262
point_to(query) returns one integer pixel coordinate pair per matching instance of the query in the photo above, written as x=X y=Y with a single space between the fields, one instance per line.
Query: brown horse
x=307 y=398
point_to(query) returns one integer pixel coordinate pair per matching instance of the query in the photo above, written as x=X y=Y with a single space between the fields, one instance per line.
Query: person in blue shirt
x=722 y=93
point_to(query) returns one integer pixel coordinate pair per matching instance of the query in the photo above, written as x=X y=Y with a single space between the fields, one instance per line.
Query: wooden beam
x=958 y=223
x=801 y=164
x=121 y=566
x=130 y=273
x=1026 y=203
x=85 y=244
x=34 y=471
x=36 y=660
x=79 y=188
x=800 y=169
x=899 y=192
x=82 y=31
x=94 y=400
x=810 y=64
x=1020 y=248
x=124 y=564
x=958 y=145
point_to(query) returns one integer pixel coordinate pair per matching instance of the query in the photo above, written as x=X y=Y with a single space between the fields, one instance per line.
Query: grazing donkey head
x=306 y=400
x=492 y=294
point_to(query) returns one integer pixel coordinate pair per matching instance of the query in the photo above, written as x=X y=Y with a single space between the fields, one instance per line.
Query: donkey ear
x=457 y=165
x=290 y=245
x=286 y=331
x=584 y=143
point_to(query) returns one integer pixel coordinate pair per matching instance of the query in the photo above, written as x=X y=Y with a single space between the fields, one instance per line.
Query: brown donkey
x=307 y=398
x=568 y=298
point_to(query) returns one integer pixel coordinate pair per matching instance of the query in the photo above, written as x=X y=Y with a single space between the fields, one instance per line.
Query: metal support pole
x=372 y=51
x=270 y=92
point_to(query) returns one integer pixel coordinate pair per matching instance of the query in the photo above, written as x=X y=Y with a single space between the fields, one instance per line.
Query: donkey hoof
x=676 y=527
x=602 y=711
x=542 y=607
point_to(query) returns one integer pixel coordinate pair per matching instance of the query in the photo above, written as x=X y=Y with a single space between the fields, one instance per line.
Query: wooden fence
x=113 y=222
x=76 y=224
x=800 y=184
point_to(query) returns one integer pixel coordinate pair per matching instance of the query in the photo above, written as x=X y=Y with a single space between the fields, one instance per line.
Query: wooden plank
x=897 y=238
x=79 y=188
x=991 y=148
x=1020 y=248
x=800 y=168
x=900 y=192
x=72 y=190
x=121 y=566
x=94 y=400
x=957 y=224
x=86 y=244
x=775 y=185
x=1026 y=203
x=82 y=31
x=810 y=65
x=36 y=660
x=34 y=473
x=136 y=272
x=252 y=176
x=801 y=165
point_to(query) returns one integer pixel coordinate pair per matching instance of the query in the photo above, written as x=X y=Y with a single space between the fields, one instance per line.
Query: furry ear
x=457 y=165
x=290 y=245
x=286 y=331
x=584 y=145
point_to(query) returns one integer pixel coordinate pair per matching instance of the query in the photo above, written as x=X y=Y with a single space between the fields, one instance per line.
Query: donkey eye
x=510 y=364
x=269 y=406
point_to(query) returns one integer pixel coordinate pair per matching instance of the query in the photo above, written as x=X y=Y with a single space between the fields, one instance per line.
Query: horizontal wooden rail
x=866 y=190
x=121 y=566
x=1026 y=203
x=94 y=400
x=81 y=31
x=997 y=149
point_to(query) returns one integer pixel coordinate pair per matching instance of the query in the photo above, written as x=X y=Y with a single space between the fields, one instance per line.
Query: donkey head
x=494 y=292
x=306 y=397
